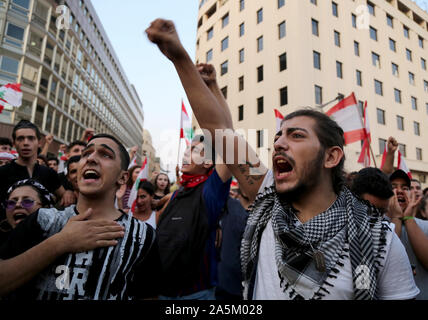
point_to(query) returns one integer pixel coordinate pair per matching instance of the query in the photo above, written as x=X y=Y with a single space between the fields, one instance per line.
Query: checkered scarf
x=348 y=221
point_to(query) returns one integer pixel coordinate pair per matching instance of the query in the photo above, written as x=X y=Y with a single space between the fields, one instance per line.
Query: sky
x=153 y=75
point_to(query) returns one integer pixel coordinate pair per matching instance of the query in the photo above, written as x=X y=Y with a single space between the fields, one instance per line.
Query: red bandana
x=191 y=180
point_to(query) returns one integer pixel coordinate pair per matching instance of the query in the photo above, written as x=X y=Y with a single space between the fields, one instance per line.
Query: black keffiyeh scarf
x=348 y=223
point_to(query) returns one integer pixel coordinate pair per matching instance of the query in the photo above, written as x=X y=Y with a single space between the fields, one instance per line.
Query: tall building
x=286 y=54
x=71 y=77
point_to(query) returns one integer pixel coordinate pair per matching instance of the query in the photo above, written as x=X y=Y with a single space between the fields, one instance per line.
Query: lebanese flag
x=10 y=94
x=403 y=166
x=385 y=151
x=133 y=162
x=365 y=149
x=278 y=118
x=346 y=114
x=143 y=175
x=186 y=130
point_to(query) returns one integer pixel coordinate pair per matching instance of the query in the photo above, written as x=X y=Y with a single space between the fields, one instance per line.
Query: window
x=210 y=33
x=378 y=87
x=400 y=123
x=224 y=43
x=241 y=29
x=14 y=31
x=354 y=21
x=359 y=78
x=259 y=105
x=318 y=94
x=397 y=95
x=371 y=8
x=225 y=20
x=224 y=92
x=389 y=21
x=373 y=33
x=260 y=74
x=209 y=55
x=418 y=154
x=426 y=86
x=259 y=44
x=423 y=64
x=414 y=103
x=283 y=61
x=9 y=65
x=314 y=2
x=317 y=60
x=394 y=69
x=416 y=128
x=241 y=83
x=241 y=55
x=360 y=107
x=241 y=5
x=426 y=107
x=356 y=48
x=259 y=138
x=411 y=78
x=334 y=9
x=22 y=3
x=406 y=32
x=339 y=71
x=421 y=42
x=375 y=60
x=283 y=96
x=409 y=54
x=337 y=38
x=315 y=31
x=380 y=116
x=281 y=30
x=382 y=145
x=260 y=15
x=402 y=148
x=240 y=113
x=281 y=3
x=392 y=45
x=223 y=68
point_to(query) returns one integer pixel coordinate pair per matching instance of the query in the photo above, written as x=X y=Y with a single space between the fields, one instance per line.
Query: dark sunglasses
x=25 y=203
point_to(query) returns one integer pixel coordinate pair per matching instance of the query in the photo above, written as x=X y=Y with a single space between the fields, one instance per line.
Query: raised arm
x=243 y=162
x=78 y=235
x=388 y=167
x=48 y=141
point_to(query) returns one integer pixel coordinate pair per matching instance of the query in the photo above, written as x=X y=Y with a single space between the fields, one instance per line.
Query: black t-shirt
x=64 y=181
x=13 y=172
x=128 y=270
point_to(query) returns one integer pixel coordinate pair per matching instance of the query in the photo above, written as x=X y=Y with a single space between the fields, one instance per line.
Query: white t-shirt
x=395 y=279
x=152 y=220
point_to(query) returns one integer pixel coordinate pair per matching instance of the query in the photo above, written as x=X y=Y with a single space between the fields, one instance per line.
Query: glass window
x=224 y=68
x=210 y=33
x=339 y=71
x=14 y=31
x=9 y=64
x=359 y=78
x=241 y=5
x=392 y=45
x=225 y=20
x=421 y=42
x=378 y=87
x=380 y=116
x=281 y=3
x=373 y=33
x=400 y=123
x=281 y=30
x=23 y=3
x=334 y=8
x=209 y=55
x=375 y=60
x=224 y=43
x=423 y=64
x=317 y=60
x=240 y=113
x=389 y=21
x=318 y=94
x=371 y=8
x=283 y=62
x=241 y=29
x=337 y=38
x=259 y=73
x=414 y=103
x=260 y=15
x=259 y=43
x=354 y=21
x=418 y=154
x=406 y=32
x=382 y=145
x=259 y=138
x=315 y=31
x=411 y=78
x=241 y=55
x=241 y=83
x=416 y=128
x=394 y=69
x=397 y=95
x=283 y=96
x=260 y=105
x=409 y=54
x=356 y=48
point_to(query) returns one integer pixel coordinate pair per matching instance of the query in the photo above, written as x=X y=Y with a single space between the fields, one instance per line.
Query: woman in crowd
x=162 y=186
x=143 y=206
x=122 y=197
x=23 y=198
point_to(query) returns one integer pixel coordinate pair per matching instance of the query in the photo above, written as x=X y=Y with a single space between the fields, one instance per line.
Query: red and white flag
x=365 y=149
x=10 y=94
x=346 y=114
x=278 y=118
x=133 y=162
x=402 y=165
x=186 y=130
x=143 y=175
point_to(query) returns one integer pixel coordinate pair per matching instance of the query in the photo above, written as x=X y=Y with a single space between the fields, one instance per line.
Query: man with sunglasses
x=121 y=263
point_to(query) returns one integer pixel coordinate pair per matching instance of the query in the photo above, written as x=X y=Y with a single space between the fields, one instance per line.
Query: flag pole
x=179 y=134
x=371 y=151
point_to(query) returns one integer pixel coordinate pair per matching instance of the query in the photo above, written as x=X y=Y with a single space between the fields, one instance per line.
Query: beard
x=310 y=178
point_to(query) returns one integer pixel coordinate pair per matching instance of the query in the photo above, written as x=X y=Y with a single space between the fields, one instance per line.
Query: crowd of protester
x=302 y=230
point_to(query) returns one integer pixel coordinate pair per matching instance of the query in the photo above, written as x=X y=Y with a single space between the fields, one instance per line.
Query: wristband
x=407 y=218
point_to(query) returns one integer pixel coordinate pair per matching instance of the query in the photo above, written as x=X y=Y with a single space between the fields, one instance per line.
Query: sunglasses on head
x=25 y=203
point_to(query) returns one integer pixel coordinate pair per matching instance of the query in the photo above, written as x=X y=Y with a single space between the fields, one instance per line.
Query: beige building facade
x=286 y=54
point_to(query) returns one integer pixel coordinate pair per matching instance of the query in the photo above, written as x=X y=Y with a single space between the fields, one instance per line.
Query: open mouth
x=18 y=217
x=401 y=200
x=90 y=175
x=283 y=167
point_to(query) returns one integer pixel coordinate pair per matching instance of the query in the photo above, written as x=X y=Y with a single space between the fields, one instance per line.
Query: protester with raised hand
x=304 y=225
